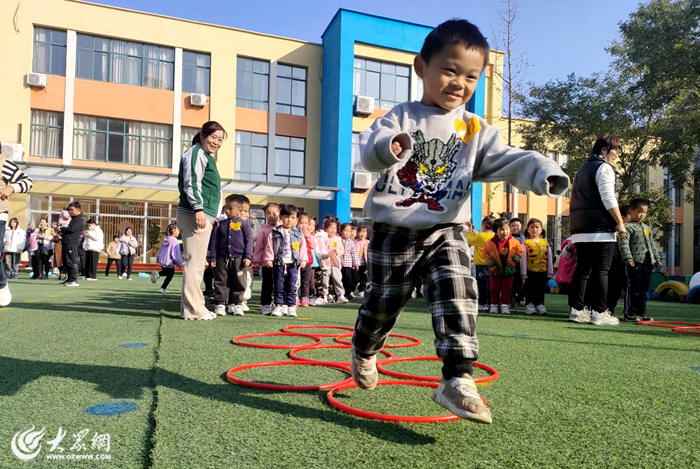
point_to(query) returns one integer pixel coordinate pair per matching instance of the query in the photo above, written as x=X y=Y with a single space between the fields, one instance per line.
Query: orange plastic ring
x=673 y=325
x=414 y=342
x=294 y=326
x=688 y=330
x=284 y=387
x=293 y=354
x=237 y=340
x=381 y=368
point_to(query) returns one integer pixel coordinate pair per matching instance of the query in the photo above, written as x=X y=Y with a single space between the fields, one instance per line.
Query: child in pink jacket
x=335 y=252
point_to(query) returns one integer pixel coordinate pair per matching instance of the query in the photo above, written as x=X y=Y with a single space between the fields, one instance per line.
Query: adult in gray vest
x=595 y=222
x=199 y=184
x=13 y=181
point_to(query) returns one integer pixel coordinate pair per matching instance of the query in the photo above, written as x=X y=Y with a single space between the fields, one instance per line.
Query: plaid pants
x=398 y=258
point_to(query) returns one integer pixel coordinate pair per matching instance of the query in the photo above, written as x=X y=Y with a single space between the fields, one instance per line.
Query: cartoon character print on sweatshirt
x=427 y=173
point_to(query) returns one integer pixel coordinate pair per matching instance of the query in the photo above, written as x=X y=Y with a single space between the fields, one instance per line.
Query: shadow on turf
x=129 y=383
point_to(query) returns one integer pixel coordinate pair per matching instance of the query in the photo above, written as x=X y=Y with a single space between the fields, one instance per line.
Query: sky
x=558 y=37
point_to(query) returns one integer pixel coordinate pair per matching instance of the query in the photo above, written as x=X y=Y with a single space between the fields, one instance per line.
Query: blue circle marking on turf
x=134 y=345
x=695 y=368
x=112 y=408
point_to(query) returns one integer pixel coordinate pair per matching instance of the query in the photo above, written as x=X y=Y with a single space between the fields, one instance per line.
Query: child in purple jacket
x=230 y=252
x=169 y=256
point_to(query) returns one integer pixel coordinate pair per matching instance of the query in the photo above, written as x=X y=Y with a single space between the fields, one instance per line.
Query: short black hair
x=606 y=142
x=241 y=199
x=90 y=222
x=514 y=220
x=624 y=210
x=288 y=209
x=342 y=227
x=636 y=203
x=499 y=222
x=454 y=31
x=75 y=205
x=487 y=222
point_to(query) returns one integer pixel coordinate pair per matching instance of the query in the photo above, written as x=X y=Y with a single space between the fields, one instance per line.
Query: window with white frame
x=186 y=136
x=252 y=83
x=121 y=141
x=46 y=135
x=251 y=156
x=289 y=159
x=387 y=83
x=49 y=51
x=196 y=72
x=125 y=62
x=291 y=90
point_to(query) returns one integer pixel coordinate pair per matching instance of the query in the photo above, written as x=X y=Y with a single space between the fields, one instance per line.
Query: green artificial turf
x=569 y=395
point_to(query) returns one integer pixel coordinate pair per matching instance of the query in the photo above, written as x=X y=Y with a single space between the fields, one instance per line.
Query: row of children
x=299 y=263
x=504 y=258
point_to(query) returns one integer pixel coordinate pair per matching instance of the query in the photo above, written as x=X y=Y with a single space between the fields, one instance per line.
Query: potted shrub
x=153 y=238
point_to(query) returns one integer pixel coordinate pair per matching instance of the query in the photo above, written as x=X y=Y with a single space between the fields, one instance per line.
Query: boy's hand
x=357 y=267
x=302 y=265
x=630 y=263
x=212 y=263
x=256 y=264
x=246 y=262
x=396 y=148
x=268 y=264
x=657 y=263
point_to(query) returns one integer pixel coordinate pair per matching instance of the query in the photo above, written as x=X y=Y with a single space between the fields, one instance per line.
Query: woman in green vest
x=200 y=198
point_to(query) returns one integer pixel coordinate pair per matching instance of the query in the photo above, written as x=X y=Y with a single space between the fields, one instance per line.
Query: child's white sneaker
x=244 y=306
x=238 y=310
x=330 y=300
x=581 y=316
x=277 y=311
x=530 y=309
x=364 y=371
x=459 y=396
x=284 y=310
x=342 y=299
x=220 y=310
x=494 y=309
x=320 y=302
x=505 y=309
x=266 y=310
x=292 y=311
x=163 y=290
x=541 y=310
x=5 y=296
x=154 y=276
x=603 y=319
x=361 y=294
x=483 y=307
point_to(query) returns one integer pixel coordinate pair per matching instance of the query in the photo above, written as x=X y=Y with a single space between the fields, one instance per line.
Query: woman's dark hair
x=606 y=142
x=487 y=222
x=13 y=220
x=127 y=229
x=288 y=209
x=91 y=222
x=452 y=32
x=169 y=230
x=207 y=129
x=499 y=222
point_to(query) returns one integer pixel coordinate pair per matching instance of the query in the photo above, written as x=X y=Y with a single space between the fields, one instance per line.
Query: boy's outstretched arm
x=380 y=143
x=522 y=168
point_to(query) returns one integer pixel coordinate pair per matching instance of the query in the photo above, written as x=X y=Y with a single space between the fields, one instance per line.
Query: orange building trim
x=138 y=103
x=194 y=116
x=40 y=159
x=291 y=126
x=252 y=120
x=119 y=166
x=51 y=98
x=551 y=206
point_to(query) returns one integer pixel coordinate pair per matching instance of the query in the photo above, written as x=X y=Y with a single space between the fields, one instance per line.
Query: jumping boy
x=429 y=152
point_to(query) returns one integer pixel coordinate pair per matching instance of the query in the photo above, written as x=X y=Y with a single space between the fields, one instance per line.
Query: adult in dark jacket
x=595 y=222
x=71 y=239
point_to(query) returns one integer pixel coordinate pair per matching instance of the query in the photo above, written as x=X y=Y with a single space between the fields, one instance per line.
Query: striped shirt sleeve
x=193 y=170
x=15 y=178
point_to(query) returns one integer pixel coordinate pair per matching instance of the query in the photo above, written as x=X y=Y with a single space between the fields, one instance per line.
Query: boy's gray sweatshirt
x=429 y=182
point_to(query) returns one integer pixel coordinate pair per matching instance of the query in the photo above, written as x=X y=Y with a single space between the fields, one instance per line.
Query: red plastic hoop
x=294 y=326
x=284 y=387
x=663 y=324
x=386 y=417
x=688 y=330
x=381 y=368
x=237 y=340
x=293 y=354
x=415 y=342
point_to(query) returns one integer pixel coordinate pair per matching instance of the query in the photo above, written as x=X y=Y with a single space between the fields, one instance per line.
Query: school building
x=98 y=103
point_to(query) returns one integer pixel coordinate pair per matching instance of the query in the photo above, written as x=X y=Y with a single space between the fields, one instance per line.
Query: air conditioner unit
x=13 y=151
x=198 y=99
x=36 y=79
x=361 y=180
x=364 y=105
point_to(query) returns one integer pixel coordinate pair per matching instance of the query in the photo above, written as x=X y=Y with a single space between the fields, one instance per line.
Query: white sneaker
x=292 y=311
x=329 y=300
x=230 y=308
x=277 y=311
x=123 y=275
x=154 y=276
x=459 y=396
x=266 y=309
x=320 y=302
x=530 y=309
x=505 y=309
x=119 y=277
x=361 y=294
x=163 y=290
x=494 y=309
x=583 y=316
x=541 y=309
x=71 y=284
x=238 y=310
x=414 y=293
x=91 y=279
x=220 y=310
x=312 y=301
x=342 y=299
x=483 y=307
x=284 y=310
x=244 y=306
x=5 y=296
x=604 y=319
